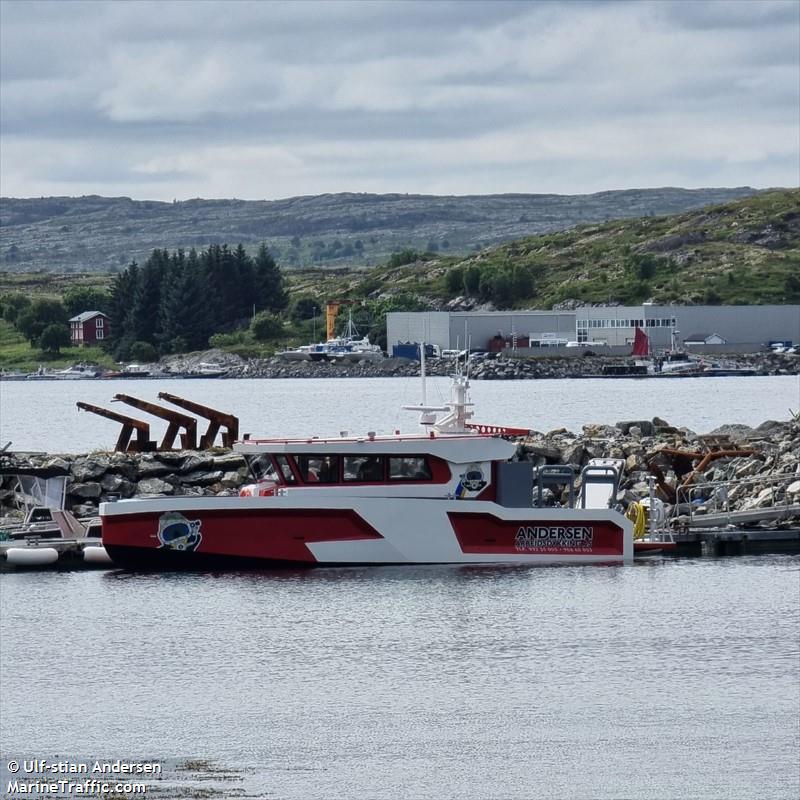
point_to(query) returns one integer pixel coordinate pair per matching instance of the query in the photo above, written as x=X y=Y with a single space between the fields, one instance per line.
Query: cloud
x=255 y=99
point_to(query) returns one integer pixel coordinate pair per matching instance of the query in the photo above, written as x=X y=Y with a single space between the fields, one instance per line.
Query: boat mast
x=422 y=371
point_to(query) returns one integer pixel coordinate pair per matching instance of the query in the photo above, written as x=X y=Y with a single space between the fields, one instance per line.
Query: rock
x=154 y=486
x=229 y=461
x=632 y=463
x=55 y=466
x=89 y=470
x=150 y=467
x=117 y=485
x=231 y=479
x=195 y=462
x=202 y=477
x=573 y=454
x=84 y=510
x=88 y=490
x=645 y=427
x=544 y=451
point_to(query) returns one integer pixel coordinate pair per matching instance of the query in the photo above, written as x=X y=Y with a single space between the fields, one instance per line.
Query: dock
x=732 y=541
x=59 y=554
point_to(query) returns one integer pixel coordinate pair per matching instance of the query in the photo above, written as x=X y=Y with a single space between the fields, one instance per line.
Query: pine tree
x=123 y=288
x=182 y=305
x=270 y=293
x=145 y=322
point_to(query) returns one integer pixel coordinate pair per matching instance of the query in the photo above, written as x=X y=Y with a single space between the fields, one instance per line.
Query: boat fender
x=260 y=489
x=96 y=554
x=31 y=556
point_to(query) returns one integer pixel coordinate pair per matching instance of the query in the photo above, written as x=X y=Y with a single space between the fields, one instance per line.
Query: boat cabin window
x=364 y=468
x=319 y=468
x=409 y=468
x=286 y=470
x=261 y=467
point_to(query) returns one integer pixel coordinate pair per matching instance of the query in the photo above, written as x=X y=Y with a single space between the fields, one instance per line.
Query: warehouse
x=720 y=328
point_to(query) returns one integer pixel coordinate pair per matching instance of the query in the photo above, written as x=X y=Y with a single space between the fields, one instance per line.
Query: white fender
x=31 y=556
x=96 y=554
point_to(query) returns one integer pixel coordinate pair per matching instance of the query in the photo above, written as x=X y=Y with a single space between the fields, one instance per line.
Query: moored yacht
x=450 y=495
x=347 y=347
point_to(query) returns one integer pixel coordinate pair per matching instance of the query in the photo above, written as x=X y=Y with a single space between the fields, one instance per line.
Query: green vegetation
x=16 y=353
x=742 y=252
x=176 y=301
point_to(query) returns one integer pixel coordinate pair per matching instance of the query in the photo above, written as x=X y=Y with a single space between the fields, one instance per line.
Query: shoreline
x=501 y=367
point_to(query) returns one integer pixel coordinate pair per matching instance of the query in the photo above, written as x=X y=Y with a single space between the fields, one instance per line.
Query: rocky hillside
x=739 y=252
x=102 y=234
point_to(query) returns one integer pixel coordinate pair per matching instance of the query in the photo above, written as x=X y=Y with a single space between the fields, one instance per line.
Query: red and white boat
x=450 y=495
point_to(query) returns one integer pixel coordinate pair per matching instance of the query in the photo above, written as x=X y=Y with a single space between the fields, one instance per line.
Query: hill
x=742 y=252
x=103 y=234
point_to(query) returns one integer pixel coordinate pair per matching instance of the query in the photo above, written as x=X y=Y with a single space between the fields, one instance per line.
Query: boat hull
x=264 y=532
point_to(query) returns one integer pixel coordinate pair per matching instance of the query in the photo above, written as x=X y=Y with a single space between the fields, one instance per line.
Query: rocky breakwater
x=770 y=476
x=97 y=477
x=481 y=368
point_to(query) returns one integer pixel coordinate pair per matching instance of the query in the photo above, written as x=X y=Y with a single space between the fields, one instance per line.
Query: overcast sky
x=261 y=100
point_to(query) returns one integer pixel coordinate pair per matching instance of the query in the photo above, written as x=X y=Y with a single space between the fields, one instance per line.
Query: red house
x=90 y=327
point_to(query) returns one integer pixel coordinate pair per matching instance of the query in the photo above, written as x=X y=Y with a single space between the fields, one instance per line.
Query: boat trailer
x=179 y=424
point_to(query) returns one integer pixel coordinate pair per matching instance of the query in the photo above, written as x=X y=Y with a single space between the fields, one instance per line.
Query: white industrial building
x=723 y=328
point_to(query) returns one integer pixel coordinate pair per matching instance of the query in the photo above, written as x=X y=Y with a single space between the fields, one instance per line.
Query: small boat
x=205 y=370
x=131 y=371
x=49 y=535
x=76 y=372
x=452 y=494
x=347 y=347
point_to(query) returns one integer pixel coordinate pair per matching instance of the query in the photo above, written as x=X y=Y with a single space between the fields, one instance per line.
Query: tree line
x=172 y=303
x=176 y=301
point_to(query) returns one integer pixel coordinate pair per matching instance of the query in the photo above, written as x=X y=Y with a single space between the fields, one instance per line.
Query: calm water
x=41 y=415
x=661 y=680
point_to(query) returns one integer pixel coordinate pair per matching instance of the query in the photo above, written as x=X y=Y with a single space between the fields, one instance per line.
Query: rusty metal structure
x=178 y=424
x=216 y=420
x=690 y=463
x=175 y=419
x=141 y=444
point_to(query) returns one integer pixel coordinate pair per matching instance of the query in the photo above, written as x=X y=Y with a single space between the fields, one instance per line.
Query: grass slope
x=742 y=252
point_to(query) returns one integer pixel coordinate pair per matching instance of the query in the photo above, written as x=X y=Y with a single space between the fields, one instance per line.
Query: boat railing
x=738 y=500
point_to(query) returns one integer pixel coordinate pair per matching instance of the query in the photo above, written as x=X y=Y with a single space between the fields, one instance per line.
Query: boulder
x=645 y=427
x=154 y=486
x=89 y=469
x=86 y=490
x=150 y=467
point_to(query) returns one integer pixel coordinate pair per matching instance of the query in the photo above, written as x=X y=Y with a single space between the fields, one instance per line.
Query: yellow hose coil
x=637 y=514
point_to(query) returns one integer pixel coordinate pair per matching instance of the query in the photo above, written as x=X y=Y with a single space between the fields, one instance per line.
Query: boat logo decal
x=471 y=480
x=531 y=538
x=175 y=532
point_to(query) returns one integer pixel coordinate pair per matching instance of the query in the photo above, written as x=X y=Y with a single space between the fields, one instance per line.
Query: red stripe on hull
x=486 y=534
x=279 y=535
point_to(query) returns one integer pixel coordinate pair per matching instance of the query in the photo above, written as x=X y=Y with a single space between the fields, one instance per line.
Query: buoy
x=96 y=554
x=31 y=556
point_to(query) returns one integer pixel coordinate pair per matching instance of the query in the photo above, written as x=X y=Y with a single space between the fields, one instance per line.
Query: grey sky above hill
x=262 y=100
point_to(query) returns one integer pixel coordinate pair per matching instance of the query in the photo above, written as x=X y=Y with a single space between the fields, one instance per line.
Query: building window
x=99 y=334
x=98 y=323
